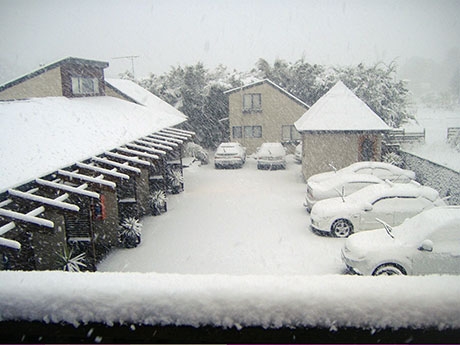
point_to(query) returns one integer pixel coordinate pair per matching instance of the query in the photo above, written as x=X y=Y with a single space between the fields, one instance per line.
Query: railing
x=400 y=136
x=452 y=132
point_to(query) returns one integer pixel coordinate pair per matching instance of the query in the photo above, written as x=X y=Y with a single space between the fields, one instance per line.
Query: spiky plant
x=176 y=178
x=130 y=232
x=393 y=158
x=157 y=201
x=71 y=263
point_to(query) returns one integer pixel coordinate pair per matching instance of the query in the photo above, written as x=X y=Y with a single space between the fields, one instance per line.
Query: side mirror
x=426 y=246
x=368 y=207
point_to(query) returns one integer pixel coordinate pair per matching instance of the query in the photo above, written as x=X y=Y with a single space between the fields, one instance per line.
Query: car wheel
x=341 y=228
x=389 y=270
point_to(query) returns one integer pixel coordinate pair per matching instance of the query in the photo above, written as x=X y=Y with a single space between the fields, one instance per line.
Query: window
x=289 y=133
x=237 y=132
x=253 y=131
x=85 y=86
x=252 y=102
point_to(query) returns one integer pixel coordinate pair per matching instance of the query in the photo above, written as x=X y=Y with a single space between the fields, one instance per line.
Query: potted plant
x=157 y=202
x=130 y=232
x=176 y=179
x=70 y=263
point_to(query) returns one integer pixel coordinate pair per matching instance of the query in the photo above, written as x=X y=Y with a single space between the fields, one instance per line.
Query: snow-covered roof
x=340 y=110
x=269 y=82
x=41 y=135
x=142 y=96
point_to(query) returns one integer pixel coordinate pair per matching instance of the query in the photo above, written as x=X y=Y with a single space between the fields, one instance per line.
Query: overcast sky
x=235 y=33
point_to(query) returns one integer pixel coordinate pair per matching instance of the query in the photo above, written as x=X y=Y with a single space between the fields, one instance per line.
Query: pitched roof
x=340 y=110
x=269 y=82
x=43 y=69
x=41 y=135
x=140 y=95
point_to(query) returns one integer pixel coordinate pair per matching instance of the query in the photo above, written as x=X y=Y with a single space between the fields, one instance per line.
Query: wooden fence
x=452 y=132
x=396 y=137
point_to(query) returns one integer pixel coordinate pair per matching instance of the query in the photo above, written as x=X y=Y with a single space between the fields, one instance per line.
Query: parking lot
x=233 y=221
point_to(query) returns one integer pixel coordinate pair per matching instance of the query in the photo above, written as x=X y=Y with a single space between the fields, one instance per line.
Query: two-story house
x=263 y=112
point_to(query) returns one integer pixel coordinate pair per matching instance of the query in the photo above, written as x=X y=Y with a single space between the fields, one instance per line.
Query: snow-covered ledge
x=331 y=301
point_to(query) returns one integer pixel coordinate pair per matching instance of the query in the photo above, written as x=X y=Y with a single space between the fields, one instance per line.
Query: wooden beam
x=113 y=173
x=78 y=176
x=123 y=166
x=77 y=190
x=47 y=201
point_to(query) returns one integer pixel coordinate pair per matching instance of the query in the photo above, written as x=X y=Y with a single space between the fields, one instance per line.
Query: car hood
x=336 y=207
x=362 y=243
x=321 y=177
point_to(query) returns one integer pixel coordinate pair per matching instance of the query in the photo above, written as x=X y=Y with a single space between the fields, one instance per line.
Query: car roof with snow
x=390 y=189
x=341 y=179
x=271 y=148
x=421 y=225
x=373 y=165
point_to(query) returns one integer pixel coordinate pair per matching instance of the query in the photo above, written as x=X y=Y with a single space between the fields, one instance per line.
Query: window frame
x=253 y=106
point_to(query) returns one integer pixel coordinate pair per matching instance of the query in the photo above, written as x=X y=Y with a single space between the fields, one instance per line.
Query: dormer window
x=85 y=86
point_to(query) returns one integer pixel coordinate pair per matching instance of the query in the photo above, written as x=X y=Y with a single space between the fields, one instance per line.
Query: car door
x=382 y=208
x=444 y=257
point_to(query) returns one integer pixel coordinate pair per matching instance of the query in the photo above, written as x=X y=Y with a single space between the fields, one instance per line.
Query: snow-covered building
x=76 y=160
x=339 y=129
x=263 y=112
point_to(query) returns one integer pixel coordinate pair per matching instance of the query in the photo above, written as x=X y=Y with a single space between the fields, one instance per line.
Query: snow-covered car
x=271 y=156
x=229 y=155
x=428 y=243
x=338 y=185
x=382 y=170
x=298 y=153
x=390 y=202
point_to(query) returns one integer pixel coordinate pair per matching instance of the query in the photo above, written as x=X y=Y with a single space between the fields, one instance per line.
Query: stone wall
x=444 y=180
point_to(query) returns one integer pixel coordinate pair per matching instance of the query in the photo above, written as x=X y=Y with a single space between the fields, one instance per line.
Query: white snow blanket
x=232 y=301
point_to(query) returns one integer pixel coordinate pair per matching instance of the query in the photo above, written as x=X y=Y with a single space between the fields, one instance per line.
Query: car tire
x=389 y=270
x=341 y=228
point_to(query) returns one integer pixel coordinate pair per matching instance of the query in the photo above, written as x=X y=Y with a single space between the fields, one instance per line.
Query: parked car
x=337 y=185
x=229 y=155
x=390 y=202
x=382 y=170
x=270 y=156
x=428 y=243
x=298 y=153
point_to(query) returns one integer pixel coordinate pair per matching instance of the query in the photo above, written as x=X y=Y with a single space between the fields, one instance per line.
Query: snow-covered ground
x=233 y=250
x=237 y=221
x=436 y=149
